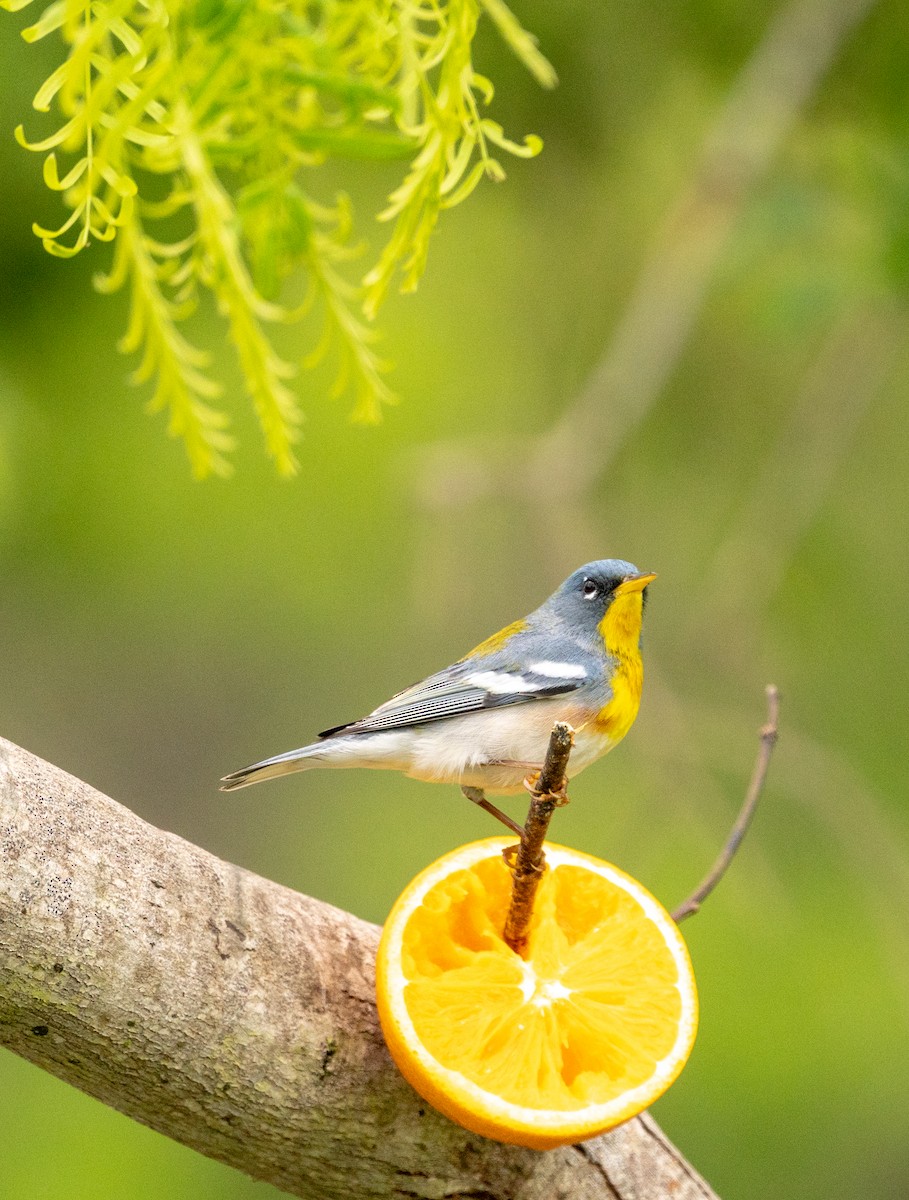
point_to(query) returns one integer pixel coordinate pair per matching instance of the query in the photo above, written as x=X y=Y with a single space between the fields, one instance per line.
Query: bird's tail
x=270 y=768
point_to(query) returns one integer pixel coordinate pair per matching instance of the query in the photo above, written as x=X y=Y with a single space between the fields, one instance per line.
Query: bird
x=484 y=722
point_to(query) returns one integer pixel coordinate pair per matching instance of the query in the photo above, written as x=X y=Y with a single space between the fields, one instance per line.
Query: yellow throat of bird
x=620 y=630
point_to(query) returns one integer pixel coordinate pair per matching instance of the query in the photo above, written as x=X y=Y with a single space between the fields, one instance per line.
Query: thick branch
x=237 y=1016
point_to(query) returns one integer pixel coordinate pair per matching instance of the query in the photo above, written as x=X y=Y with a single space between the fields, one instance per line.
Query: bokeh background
x=680 y=337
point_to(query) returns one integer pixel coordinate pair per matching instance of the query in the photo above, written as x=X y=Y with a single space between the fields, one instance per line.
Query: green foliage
x=191 y=133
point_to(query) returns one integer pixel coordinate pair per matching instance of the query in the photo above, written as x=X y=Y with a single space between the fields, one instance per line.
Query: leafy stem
x=192 y=133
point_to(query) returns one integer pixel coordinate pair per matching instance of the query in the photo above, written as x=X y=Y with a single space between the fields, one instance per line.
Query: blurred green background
x=709 y=290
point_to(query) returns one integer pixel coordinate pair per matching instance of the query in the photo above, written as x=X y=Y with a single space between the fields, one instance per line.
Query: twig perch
x=548 y=793
x=769 y=733
x=237 y=1016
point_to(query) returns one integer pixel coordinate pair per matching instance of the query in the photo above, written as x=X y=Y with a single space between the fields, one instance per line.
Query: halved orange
x=583 y=1033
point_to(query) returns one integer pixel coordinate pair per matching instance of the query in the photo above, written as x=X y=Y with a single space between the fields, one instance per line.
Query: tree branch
x=527 y=870
x=769 y=734
x=237 y=1016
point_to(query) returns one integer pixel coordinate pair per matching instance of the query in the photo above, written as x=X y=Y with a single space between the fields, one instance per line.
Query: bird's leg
x=476 y=795
x=517 y=763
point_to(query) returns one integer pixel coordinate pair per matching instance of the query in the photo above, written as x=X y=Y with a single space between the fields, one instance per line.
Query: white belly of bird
x=493 y=750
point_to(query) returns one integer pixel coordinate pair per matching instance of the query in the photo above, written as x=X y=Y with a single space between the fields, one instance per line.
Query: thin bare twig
x=547 y=795
x=768 y=740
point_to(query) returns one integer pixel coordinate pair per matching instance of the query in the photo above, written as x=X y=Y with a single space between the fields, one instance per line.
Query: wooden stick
x=547 y=794
x=769 y=734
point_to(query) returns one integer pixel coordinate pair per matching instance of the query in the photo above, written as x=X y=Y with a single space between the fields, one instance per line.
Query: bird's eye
x=591 y=590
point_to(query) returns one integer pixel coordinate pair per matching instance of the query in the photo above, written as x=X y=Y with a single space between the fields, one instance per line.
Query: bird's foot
x=510 y=854
x=532 y=782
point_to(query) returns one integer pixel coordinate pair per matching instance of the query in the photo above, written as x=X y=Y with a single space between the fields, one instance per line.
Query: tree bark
x=237 y=1016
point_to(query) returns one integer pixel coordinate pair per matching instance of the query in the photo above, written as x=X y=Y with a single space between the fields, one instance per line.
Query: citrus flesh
x=582 y=1033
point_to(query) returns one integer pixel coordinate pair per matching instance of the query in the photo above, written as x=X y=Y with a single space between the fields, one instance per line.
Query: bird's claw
x=510 y=854
x=532 y=783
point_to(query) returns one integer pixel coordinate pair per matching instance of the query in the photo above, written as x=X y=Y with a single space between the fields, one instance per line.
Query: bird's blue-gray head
x=584 y=597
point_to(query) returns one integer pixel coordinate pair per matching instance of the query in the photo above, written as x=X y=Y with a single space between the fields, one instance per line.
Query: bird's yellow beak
x=634 y=583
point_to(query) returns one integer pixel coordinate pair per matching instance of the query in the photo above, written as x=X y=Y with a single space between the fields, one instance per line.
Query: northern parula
x=485 y=721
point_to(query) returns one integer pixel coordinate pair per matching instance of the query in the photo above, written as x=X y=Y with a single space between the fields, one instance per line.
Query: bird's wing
x=466 y=688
